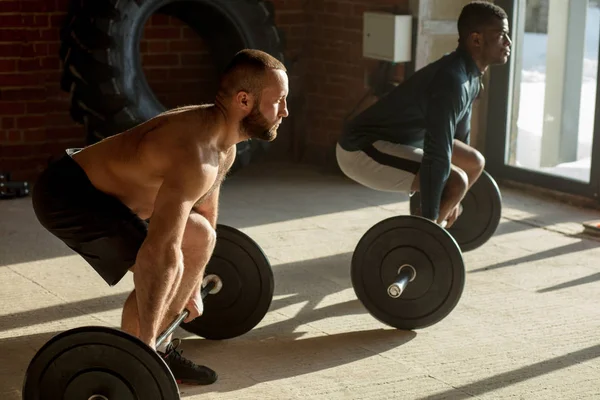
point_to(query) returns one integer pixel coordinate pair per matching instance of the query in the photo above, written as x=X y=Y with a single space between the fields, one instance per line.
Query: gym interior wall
x=320 y=43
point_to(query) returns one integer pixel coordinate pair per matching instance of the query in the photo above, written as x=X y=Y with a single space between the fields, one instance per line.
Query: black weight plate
x=482 y=209
x=247 y=291
x=88 y=361
x=436 y=258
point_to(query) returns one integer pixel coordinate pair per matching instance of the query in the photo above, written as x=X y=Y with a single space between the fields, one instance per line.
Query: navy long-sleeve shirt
x=429 y=110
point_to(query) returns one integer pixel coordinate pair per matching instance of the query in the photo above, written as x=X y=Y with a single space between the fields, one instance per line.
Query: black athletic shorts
x=105 y=232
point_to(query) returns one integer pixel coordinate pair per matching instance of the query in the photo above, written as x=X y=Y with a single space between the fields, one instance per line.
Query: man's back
x=401 y=115
x=131 y=165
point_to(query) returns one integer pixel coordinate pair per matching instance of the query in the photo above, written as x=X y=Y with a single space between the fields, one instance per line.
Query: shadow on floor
x=245 y=363
x=576 y=247
x=542 y=255
x=62 y=311
x=326 y=276
x=518 y=375
x=576 y=282
x=508 y=227
x=18 y=353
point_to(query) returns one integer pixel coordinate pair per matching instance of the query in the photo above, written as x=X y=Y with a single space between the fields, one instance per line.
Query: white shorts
x=384 y=166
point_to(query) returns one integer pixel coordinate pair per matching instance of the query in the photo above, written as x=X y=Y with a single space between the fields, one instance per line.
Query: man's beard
x=256 y=126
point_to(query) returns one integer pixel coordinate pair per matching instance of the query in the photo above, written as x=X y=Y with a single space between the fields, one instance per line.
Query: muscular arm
x=210 y=205
x=443 y=107
x=159 y=259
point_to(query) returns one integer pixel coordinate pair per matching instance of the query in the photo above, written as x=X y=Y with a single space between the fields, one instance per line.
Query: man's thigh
x=95 y=225
x=456 y=175
x=466 y=162
x=383 y=166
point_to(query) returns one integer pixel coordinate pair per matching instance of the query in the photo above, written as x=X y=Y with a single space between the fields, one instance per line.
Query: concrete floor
x=526 y=326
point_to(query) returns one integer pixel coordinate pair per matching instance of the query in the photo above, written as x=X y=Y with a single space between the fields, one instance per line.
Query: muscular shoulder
x=449 y=80
x=182 y=133
x=189 y=119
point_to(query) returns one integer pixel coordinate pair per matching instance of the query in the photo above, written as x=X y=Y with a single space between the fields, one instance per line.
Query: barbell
x=102 y=363
x=409 y=272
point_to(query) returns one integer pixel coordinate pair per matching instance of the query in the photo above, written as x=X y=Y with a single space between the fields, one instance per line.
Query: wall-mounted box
x=387 y=37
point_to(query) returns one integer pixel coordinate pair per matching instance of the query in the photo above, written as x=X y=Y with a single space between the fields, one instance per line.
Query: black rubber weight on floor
x=102 y=66
x=426 y=247
x=98 y=362
x=247 y=292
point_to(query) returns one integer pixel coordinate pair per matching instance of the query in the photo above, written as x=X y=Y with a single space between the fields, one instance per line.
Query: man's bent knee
x=458 y=180
x=468 y=159
x=199 y=232
x=478 y=161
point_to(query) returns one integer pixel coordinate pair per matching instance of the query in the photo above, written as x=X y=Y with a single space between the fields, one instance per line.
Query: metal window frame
x=498 y=131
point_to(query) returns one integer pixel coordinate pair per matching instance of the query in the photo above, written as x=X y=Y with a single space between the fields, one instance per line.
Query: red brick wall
x=34 y=113
x=323 y=50
x=338 y=71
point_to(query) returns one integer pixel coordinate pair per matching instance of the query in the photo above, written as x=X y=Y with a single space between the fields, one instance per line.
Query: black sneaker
x=184 y=370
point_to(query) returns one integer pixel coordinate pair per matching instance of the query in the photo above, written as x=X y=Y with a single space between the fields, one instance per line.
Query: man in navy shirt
x=416 y=138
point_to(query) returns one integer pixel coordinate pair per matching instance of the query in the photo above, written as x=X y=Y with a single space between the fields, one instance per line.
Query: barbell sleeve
x=405 y=275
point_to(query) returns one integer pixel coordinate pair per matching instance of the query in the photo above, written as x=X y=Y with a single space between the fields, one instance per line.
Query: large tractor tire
x=102 y=68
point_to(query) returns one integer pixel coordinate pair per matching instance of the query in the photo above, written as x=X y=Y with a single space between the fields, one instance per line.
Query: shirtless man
x=167 y=171
x=416 y=138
